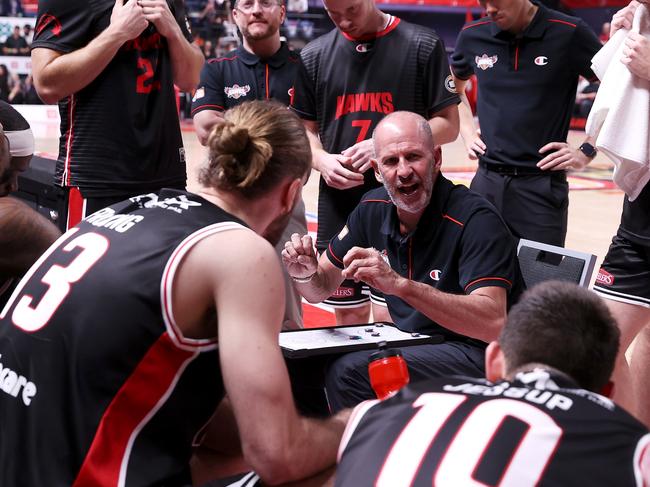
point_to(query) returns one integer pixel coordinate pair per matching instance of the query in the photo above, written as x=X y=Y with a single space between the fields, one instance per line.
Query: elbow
x=188 y=82
x=493 y=327
x=272 y=464
x=48 y=95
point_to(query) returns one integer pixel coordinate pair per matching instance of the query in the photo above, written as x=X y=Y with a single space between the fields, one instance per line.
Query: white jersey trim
x=167 y=282
x=355 y=418
x=621 y=297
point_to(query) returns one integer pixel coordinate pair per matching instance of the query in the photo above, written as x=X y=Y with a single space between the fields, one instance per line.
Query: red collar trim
x=394 y=22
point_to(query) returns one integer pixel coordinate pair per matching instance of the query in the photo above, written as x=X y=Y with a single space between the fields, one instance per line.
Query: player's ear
x=495 y=365
x=375 y=167
x=291 y=194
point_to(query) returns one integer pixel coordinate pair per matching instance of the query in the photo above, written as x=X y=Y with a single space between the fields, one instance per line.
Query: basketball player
x=112 y=66
x=263 y=68
x=539 y=421
x=372 y=64
x=625 y=273
x=118 y=345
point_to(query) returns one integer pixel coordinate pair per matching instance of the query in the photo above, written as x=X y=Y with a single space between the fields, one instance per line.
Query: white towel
x=620 y=117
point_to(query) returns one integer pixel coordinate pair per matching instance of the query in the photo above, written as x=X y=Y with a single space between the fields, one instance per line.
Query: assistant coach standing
x=527 y=60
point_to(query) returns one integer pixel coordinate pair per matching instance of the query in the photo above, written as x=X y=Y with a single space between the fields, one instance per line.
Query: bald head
x=402 y=123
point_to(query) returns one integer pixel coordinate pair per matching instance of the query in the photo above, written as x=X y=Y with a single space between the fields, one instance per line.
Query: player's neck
x=255 y=215
x=263 y=48
x=408 y=221
x=530 y=10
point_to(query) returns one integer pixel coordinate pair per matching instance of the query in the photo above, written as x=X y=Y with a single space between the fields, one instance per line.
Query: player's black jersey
x=97 y=384
x=120 y=134
x=539 y=429
x=348 y=85
x=240 y=76
x=635 y=221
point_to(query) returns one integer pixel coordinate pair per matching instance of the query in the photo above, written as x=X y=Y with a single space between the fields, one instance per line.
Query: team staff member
x=527 y=60
x=113 y=393
x=112 y=66
x=372 y=64
x=263 y=68
x=625 y=272
x=540 y=421
x=440 y=254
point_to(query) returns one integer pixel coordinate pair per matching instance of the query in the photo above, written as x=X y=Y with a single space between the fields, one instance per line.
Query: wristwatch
x=589 y=150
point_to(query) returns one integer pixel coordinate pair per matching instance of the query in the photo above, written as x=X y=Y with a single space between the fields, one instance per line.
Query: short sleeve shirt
x=459 y=245
x=241 y=76
x=120 y=134
x=526 y=83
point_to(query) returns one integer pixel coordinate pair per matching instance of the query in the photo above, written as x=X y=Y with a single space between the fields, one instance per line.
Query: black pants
x=534 y=207
x=347 y=382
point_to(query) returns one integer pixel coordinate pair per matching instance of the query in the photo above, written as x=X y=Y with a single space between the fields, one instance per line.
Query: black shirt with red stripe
x=538 y=429
x=460 y=244
x=120 y=135
x=97 y=382
x=241 y=75
x=526 y=83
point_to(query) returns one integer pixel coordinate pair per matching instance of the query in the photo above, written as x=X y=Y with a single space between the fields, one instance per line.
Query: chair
x=542 y=262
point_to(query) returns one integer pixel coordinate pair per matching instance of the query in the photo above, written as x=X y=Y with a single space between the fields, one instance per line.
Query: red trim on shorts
x=562 y=22
x=488 y=279
x=394 y=22
x=453 y=220
x=141 y=395
x=478 y=23
x=201 y=107
x=75 y=207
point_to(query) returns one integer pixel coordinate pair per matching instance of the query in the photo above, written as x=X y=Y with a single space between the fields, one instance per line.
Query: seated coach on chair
x=440 y=254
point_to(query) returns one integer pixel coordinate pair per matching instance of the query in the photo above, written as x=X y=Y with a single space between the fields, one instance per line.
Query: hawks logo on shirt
x=236 y=91
x=48 y=21
x=484 y=62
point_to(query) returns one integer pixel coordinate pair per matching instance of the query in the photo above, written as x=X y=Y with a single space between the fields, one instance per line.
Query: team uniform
x=527 y=87
x=98 y=384
x=460 y=245
x=120 y=135
x=538 y=429
x=348 y=85
x=242 y=76
x=625 y=271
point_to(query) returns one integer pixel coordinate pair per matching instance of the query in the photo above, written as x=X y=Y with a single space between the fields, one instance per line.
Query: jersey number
x=363 y=126
x=145 y=82
x=470 y=443
x=30 y=317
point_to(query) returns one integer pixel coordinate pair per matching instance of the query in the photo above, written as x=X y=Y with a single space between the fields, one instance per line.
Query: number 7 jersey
x=539 y=429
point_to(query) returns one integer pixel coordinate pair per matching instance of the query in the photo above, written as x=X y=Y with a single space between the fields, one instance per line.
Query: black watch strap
x=589 y=150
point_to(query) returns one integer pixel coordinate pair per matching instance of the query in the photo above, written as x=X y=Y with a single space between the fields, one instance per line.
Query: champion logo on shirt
x=484 y=62
x=364 y=47
x=450 y=85
x=235 y=91
x=435 y=274
x=604 y=278
x=541 y=60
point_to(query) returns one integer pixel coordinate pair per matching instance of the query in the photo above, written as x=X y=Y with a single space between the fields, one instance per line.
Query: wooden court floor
x=593 y=213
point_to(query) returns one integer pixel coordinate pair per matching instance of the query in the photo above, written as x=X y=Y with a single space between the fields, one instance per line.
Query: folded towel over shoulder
x=620 y=117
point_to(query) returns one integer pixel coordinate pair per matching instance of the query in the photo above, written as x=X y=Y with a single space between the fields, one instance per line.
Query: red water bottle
x=388 y=371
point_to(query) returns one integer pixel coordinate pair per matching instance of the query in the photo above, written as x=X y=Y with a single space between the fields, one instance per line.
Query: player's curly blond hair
x=258 y=144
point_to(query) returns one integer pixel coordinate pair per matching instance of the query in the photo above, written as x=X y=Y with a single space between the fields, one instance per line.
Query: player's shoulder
x=561 y=20
x=417 y=32
x=477 y=28
x=320 y=45
x=375 y=198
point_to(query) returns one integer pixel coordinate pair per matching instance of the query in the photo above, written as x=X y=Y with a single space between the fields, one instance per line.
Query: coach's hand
x=563 y=157
x=360 y=155
x=623 y=18
x=335 y=169
x=299 y=257
x=636 y=54
x=475 y=146
x=128 y=19
x=157 y=12
x=369 y=266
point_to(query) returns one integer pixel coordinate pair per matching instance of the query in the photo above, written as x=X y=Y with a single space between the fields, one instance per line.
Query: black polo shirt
x=460 y=245
x=526 y=83
x=241 y=76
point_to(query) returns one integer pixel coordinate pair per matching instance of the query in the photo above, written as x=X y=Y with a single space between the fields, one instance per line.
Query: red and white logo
x=236 y=91
x=484 y=62
x=604 y=278
x=541 y=60
x=435 y=274
x=343 y=292
x=363 y=47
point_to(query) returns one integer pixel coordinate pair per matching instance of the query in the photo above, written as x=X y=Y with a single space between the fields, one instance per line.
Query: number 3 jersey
x=120 y=135
x=98 y=387
x=539 y=429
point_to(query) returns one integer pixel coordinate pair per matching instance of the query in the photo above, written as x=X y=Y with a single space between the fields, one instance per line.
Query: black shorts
x=625 y=273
